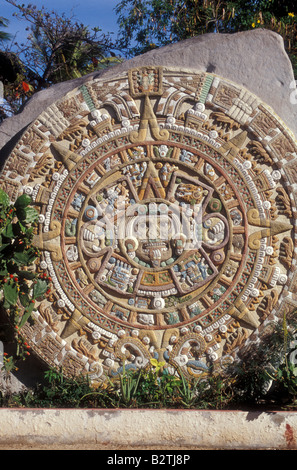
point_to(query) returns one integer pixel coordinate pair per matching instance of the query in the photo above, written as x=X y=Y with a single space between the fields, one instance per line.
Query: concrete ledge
x=140 y=429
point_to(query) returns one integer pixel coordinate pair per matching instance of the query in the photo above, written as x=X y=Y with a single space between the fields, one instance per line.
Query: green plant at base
x=128 y=386
x=20 y=284
x=284 y=376
x=266 y=374
x=55 y=391
x=187 y=392
x=140 y=388
x=153 y=386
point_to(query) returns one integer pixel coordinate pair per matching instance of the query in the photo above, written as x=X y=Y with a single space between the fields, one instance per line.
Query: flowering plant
x=20 y=283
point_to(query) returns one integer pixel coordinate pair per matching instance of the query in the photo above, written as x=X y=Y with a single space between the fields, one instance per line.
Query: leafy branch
x=21 y=285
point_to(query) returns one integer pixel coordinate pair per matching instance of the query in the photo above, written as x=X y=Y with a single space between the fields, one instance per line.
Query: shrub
x=20 y=284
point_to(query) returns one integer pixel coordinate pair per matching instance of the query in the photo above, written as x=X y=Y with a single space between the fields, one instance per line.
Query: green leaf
x=25 y=299
x=22 y=257
x=4 y=198
x=39 y=288
x=10 y=293
x=3 y=271
x=27 y=274
x=8 y=231
x=26 y=315
x=27 y=214
x=22 y=201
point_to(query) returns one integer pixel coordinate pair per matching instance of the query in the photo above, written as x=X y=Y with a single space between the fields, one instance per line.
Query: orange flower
x=26 y=87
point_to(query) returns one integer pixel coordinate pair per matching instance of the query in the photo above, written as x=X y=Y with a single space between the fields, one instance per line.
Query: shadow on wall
x=31 y=371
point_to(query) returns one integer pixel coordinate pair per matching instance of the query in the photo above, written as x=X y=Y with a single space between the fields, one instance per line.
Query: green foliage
x=4 y=36
x=55 y=391
x=148 y=24
x=153 y=23
x=61 y=391
x=269 y=373
x=57 y=48
x=284 y=376
x=132 y=389
x=20 y=284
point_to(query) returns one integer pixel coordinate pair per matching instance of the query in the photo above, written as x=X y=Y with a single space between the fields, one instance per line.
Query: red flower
x=26 y=87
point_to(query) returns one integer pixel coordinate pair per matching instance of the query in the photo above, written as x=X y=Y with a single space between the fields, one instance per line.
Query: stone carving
x=167 y=222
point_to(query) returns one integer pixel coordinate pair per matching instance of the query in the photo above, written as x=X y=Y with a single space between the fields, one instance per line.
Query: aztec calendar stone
x=167 y=215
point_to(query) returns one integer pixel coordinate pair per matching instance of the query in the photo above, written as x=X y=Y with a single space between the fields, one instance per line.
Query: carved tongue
x=156 y=254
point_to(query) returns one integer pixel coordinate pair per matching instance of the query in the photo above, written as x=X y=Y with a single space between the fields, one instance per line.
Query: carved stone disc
x=167 y=205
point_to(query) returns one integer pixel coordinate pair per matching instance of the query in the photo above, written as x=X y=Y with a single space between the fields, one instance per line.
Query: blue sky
x=90 y=12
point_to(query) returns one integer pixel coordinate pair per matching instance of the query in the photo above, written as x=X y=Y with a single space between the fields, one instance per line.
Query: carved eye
x=91 y=213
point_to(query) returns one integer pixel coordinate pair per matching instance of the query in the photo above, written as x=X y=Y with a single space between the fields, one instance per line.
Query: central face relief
x=151 y=234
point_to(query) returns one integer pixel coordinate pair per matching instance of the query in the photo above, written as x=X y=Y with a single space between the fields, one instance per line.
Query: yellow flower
x=253 y=25
x=157 y=364
x=291 y=14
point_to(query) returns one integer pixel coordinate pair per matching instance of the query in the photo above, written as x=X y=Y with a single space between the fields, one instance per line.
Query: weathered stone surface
x=136 y=429
x=254 y=59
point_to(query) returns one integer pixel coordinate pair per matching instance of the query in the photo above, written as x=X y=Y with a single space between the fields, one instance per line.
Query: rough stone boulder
x=255 y=59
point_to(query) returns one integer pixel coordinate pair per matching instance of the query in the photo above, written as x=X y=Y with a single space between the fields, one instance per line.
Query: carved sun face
x=154 y=235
